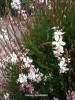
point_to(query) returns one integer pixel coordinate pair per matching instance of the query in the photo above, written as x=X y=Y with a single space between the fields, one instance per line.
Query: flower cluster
x=63 y=65
x=58 y=43
x=23 y=81
x=26 y=64
x=58 y=49
x=33 y=73
x=23 y=13
x=16 y=4
x=13 y=57
x=71 y=95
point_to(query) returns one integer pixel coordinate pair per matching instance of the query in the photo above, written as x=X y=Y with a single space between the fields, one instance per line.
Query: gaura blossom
x=41 y=1
x=71 y=95
x=13 y=58
x=62 y=62
x=5 y=34
x=24 y=83
x=22 y=78
x=23 y=13
x=1 y=37
x=58 y=43
x=26 y=60
x=63 y=65
x=63 y=69
x=6 y=96
x=58 y=49
x=58 y=32
x=16 y=4
x=4 y=30
x=35 y=75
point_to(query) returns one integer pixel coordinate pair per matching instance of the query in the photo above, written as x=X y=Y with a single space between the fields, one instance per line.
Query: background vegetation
x=38 y=39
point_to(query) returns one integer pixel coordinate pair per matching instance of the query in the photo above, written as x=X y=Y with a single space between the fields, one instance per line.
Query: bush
x=35 y=52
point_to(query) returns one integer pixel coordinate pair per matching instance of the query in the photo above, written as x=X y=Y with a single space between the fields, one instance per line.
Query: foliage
x=41 y=52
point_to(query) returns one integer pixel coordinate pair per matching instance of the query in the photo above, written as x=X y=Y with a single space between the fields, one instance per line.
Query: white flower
x=62 y=62
x=6 y=36
x=27 y=61
x=27 y=65
x=38 y=78
x=1 y=37
x=63 y=69
x=23 y=13
x=63 y=65
x=31 y=74
x=35 y=75
x=55 y=98
x=4 y=30
x=56 y=37
x=14 y=58
x=69 y=60
x=1 y=18
x=22 y=78
x=32 y=6
x=16 y=4
x=40 y=1
x=62 y=42
x=6 y=96
x=59 y=43
x=58 y=32
x=22 y=56
x=58 y=49
x=54 y=28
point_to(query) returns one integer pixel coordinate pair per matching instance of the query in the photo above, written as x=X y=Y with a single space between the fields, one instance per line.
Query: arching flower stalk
x=58 y=49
